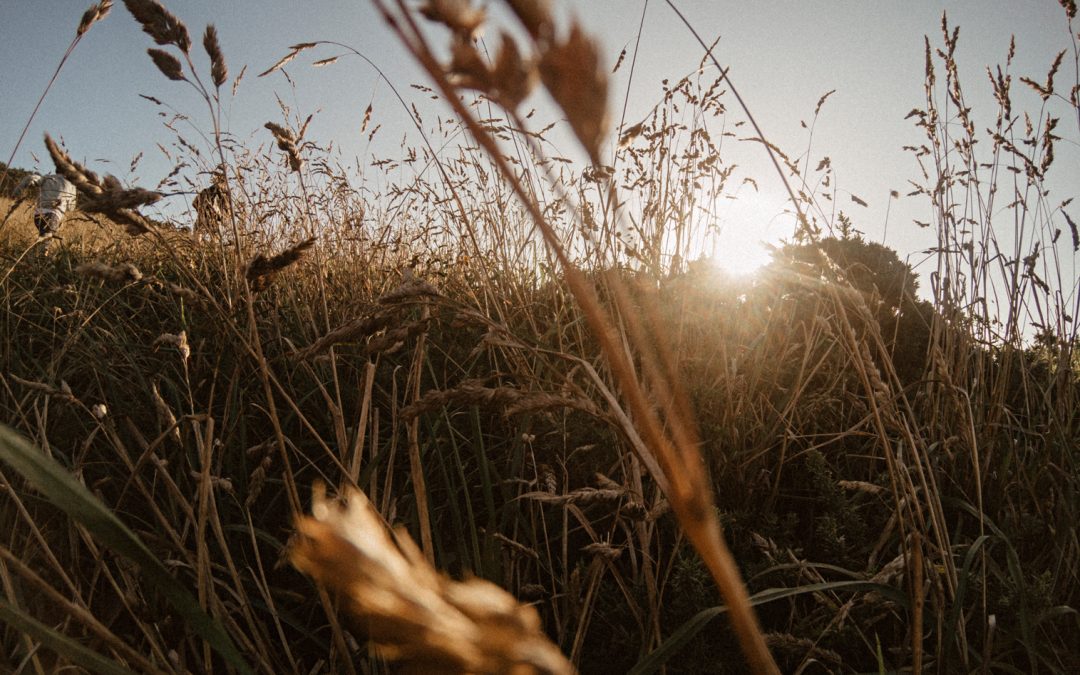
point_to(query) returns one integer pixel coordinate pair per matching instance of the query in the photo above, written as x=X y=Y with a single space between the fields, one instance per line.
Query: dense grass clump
x=542 y=398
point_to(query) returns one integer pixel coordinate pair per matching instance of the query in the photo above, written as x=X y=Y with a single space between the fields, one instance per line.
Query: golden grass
x=567 y=418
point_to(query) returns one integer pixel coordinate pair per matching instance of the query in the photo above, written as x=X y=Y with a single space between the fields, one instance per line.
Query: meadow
x=320 y=435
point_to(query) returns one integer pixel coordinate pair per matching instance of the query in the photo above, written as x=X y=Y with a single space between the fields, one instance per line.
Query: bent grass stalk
x=690 y=495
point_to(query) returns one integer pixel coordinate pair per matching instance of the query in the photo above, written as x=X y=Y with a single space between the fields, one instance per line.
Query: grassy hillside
x=897 y=489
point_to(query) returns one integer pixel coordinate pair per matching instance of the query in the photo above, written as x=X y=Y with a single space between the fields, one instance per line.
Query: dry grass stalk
x=61 y=393
x=582 y=496
x=123 y=273
x=411 y=612
x=261 y=270
x=582 y=95
x=473 y=392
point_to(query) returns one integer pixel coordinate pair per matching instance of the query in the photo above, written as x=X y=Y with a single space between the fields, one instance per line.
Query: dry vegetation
x=534 y=386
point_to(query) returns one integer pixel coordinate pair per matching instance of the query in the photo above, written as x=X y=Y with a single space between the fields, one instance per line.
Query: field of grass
x=814 y=470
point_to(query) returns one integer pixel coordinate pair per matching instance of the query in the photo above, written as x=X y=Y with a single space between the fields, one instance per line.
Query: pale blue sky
x=783 y=57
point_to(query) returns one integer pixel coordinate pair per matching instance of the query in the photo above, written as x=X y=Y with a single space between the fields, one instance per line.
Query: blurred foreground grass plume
x=410 y=611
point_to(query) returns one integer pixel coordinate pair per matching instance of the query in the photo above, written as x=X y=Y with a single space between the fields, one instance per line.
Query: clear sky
x=783 y=56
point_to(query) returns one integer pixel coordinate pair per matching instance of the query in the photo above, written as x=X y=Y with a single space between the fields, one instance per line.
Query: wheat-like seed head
x=287 y=143
x=94 y=13
x=159 y=24
x=412 y=612
x=168 y=64
x=261 y=269
x=125 y=273
x=218 y=71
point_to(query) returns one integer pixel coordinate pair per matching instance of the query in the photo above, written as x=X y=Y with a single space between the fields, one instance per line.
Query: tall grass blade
x=73 y=498
x=695 y=624
x=59 y=643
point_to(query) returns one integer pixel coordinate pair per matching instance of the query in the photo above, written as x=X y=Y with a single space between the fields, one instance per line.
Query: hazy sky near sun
x=783 y=56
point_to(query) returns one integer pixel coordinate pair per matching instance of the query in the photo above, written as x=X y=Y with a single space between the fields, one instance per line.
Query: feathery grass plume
x=473 y=392
x=106 y=196
x=602 y=550
x=535 y=16
x=179 y=341
x=458 y=15
x=94 y=13
x=260 y=270
x=357 y=329
x=408 y=289
x=411 y=612
x=168 y=64
x=159 y=24
x=513 y=77
x=582 y=496
x=572 y=73
x=1072 y=230
x=286 y=142
x=284 y=60
x=185 y=293
x=124 y=273
x=219 y=72
x=165 y=417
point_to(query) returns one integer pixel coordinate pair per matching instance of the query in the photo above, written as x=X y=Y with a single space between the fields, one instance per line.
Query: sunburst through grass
x=517 y=362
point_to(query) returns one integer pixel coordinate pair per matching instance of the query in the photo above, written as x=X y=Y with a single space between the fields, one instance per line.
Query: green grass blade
x=951 y=625
x=57 y=485
x=59 y=643
x=686 y=632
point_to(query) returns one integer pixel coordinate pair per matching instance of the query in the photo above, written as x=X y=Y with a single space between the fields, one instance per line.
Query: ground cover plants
x=599 y=454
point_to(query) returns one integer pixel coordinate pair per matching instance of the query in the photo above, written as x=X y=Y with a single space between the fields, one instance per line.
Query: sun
x=740 y=257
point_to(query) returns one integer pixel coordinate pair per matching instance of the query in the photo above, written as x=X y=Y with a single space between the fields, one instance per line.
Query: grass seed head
x=168 y=64
x=94 y=13
x=218 y=71
x=124 y=273
x=571 y=71
x=411 y=611
x=261 y=269
x=158 y=23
